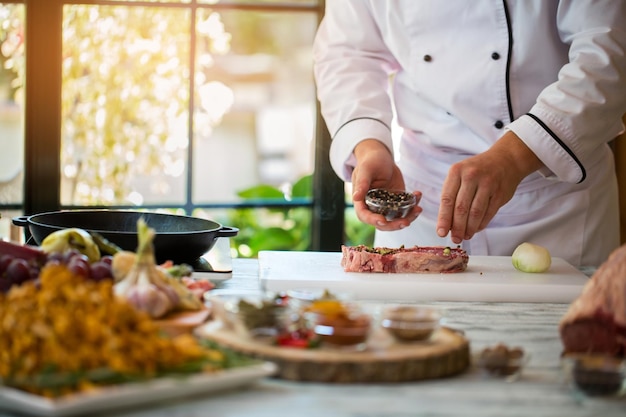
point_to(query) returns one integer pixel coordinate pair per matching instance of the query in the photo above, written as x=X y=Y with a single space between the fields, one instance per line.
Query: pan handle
x=227 y=231
x=21 y=221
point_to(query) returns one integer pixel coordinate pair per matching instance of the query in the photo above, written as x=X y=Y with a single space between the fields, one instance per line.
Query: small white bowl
x=251 y=314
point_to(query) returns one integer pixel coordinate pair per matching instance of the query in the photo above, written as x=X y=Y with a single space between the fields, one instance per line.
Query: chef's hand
x=477 y=187
x=376 y=169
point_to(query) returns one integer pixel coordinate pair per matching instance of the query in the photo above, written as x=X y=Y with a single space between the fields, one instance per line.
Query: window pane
x=254 y=101
x=125 y=105
x=11 y=104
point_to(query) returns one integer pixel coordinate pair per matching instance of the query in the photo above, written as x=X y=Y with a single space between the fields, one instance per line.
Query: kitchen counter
x=539 y=392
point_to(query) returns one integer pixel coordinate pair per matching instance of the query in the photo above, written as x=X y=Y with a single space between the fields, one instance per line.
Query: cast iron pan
x=181 y=239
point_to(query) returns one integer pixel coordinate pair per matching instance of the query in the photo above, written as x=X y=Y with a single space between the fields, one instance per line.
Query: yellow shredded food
x=67 y=325
x=329 y=308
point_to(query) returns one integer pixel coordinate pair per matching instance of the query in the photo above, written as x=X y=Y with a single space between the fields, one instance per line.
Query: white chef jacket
x=456 y=74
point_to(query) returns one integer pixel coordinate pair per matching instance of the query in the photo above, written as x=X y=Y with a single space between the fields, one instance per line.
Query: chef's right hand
x=376 y=168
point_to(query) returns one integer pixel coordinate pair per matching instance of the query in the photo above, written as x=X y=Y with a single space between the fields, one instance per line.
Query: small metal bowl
x=393 y=204
x=595 y=375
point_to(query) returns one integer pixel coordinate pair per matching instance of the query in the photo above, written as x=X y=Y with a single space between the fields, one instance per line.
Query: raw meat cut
x=596 y=321
x=422 y=259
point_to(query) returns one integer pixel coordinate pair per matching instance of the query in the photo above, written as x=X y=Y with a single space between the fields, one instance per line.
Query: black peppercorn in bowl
x=393 y=204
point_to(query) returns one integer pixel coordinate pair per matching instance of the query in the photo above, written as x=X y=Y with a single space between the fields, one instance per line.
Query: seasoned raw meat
x=424 y=259
x=596 y=321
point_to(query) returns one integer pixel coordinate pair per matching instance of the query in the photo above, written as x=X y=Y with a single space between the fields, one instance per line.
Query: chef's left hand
x=477 y=187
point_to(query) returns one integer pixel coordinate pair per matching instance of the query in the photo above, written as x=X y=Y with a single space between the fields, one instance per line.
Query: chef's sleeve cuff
x=559 y=160
x=346 y=138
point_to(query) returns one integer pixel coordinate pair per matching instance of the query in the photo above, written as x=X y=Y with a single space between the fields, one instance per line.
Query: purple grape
x=100 y=270
x=34 y=271
x=108 y=259
x=5 y=260
x=79 y=265
x=54 y=261
x=56 y=257
x=71 y=254
x=18 y=271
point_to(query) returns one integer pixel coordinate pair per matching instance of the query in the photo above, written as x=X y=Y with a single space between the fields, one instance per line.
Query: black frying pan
x=182 y=239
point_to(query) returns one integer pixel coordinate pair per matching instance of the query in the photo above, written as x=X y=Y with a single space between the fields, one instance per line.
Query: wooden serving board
x=446 y=353
x=487 y=278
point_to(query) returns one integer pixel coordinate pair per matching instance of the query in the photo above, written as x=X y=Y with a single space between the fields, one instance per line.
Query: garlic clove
x=149 y=298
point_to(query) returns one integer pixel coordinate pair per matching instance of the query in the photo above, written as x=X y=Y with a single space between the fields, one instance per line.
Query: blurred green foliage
x=284 y=228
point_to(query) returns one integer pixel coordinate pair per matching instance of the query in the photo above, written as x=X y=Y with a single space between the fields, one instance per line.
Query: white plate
x=133 y=394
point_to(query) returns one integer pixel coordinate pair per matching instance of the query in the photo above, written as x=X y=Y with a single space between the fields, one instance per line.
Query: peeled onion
x=529 y=257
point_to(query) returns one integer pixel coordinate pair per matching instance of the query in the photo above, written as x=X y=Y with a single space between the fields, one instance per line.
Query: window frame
x=42 y=123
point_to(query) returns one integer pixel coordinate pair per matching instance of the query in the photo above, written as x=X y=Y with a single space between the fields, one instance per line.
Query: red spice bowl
x=338 y=324
x=302 y=298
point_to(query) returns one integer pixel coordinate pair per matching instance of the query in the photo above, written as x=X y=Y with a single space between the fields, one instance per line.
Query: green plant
x=284 y=228
x=272 y=228
x=357 y=232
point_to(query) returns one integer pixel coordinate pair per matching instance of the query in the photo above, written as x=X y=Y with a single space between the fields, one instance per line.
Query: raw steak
x=424 y=259
x=596 y=321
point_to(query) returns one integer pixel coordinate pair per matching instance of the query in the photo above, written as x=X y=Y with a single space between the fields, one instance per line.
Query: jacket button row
x=495 y=56
x=498 y=124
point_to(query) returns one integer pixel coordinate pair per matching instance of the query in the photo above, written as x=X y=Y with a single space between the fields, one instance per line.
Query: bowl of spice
x=410 y=323
x=338 y=324
x=595 y=375
x=258 y=315
x=301 y=298
x=393 y=204
x=502 y=361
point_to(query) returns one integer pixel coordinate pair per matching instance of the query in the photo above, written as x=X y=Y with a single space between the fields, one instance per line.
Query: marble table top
x=540 y=391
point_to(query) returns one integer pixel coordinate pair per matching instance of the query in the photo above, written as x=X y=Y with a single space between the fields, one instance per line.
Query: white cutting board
x=487 y=278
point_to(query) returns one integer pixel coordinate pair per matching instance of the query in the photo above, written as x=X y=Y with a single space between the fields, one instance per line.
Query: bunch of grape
x=79 y=264
x=16 y=271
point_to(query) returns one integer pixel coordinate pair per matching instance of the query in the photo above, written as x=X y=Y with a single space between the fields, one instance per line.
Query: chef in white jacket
x=507 y=109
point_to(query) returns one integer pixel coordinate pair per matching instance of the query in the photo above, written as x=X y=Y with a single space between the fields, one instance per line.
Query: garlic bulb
x=147 y=297
x=123 y=263
x=143 y=285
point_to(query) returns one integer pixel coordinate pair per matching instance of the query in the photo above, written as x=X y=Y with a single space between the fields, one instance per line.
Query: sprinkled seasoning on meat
x=418 y=259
